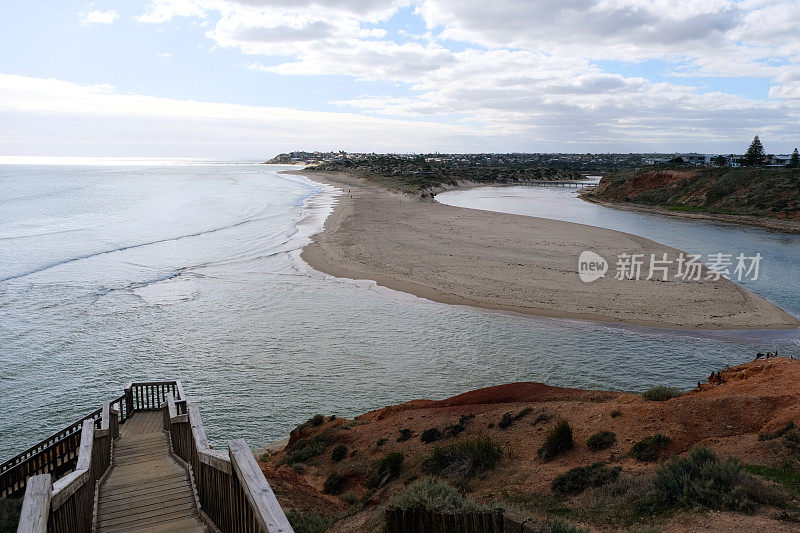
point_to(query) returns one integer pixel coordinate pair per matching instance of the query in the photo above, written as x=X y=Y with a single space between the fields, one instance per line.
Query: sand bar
x=514 y=263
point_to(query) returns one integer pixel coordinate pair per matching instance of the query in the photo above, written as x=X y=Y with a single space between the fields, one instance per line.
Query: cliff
x=750 y=191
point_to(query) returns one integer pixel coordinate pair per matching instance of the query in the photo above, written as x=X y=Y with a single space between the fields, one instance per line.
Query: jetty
x=141 y=462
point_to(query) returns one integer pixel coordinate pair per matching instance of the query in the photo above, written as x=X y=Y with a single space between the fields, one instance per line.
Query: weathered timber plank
x=36 y=505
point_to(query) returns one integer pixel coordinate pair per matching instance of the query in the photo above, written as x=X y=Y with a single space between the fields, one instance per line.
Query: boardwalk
x=146 y=489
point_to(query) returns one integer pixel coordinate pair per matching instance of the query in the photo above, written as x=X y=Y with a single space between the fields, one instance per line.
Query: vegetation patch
x=308 y=522
x=305 y=449
x=386 y=470
x=432 y=495
x=558 y=441
x=792 y=440
x=777 y=433
x=405 y=434
x=430 y=435
x=560 y=526
x=650 y=448
x=465 y=458
x=456 y=429
x=334 y=483
x=579 y=479
x=661 y=393
x=601 y=441
x=701 y=479
x=9 y=514
x=339 y=453
x=509 y=419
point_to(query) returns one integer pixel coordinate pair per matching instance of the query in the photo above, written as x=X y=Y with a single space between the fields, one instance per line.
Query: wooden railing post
x=129 y=400
x=36 y=505
x=267 y=510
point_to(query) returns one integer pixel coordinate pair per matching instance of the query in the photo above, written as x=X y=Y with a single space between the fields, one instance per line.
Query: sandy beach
x=515 y=263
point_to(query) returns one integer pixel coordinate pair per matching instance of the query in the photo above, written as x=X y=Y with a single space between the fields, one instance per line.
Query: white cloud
x=46 y=112
x=524 y=72
x=96 y=16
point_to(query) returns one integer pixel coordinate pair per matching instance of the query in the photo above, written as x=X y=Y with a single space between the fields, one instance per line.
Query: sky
x=252 y=78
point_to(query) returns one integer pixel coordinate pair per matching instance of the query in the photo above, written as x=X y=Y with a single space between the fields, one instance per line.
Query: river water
x=141 y=270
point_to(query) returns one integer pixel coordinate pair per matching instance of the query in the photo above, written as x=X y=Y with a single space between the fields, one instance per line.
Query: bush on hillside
x=650 y=448
x=430 y=435
x=601 y=441
x=305 y=449
x=577 y=480
x=308 y=522
x=558 y=441
x=465 y=458
x=701 y=479
x=661 y=393
x=339 y=453
x=432 y=495
x=386 y=470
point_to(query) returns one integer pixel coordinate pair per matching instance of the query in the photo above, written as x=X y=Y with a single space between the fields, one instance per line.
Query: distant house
x=779 y=160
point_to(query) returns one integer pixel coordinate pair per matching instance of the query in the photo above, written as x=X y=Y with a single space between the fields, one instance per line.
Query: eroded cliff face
x=759 y=191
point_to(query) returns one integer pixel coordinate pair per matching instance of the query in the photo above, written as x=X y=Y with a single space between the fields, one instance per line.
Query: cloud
x=96 y=16
x=50 y=112
x=522 y=73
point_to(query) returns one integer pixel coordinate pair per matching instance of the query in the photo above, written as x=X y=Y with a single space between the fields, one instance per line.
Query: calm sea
x=151 y=270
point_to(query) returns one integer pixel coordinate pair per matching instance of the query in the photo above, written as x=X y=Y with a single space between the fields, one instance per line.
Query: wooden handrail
x=232 y=492
x=266 y=509
x=58 y=453
x=36 y=505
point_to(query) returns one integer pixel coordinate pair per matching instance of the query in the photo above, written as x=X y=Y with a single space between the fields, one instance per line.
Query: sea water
x=143 y=270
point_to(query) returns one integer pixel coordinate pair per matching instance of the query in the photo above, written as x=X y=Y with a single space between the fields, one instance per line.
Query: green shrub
x=579 y=479
x=334 y=484
x=661 y=393
x=702 y=479
x=560 y=526
x=306 y=449
x=405 y=434
x=9 y=514
x=386 y=470
x=601 y=441
x=650 y=448
x=509 y=419
x=308 y=522
x=777 y=433
x=339 y=453
x=456 y=429
x=430 y=435
x=558 y=440
x=465 y=458
x=432 y=495
x=792 y=440
x=316 y=420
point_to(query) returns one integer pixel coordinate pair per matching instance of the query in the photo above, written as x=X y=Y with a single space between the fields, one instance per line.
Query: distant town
x=577 y=162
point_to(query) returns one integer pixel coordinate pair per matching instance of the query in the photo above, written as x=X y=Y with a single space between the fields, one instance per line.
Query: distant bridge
x=560 y=183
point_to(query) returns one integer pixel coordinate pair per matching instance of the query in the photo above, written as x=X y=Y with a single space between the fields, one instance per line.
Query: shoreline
x=512 y=263
x=771 y=224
